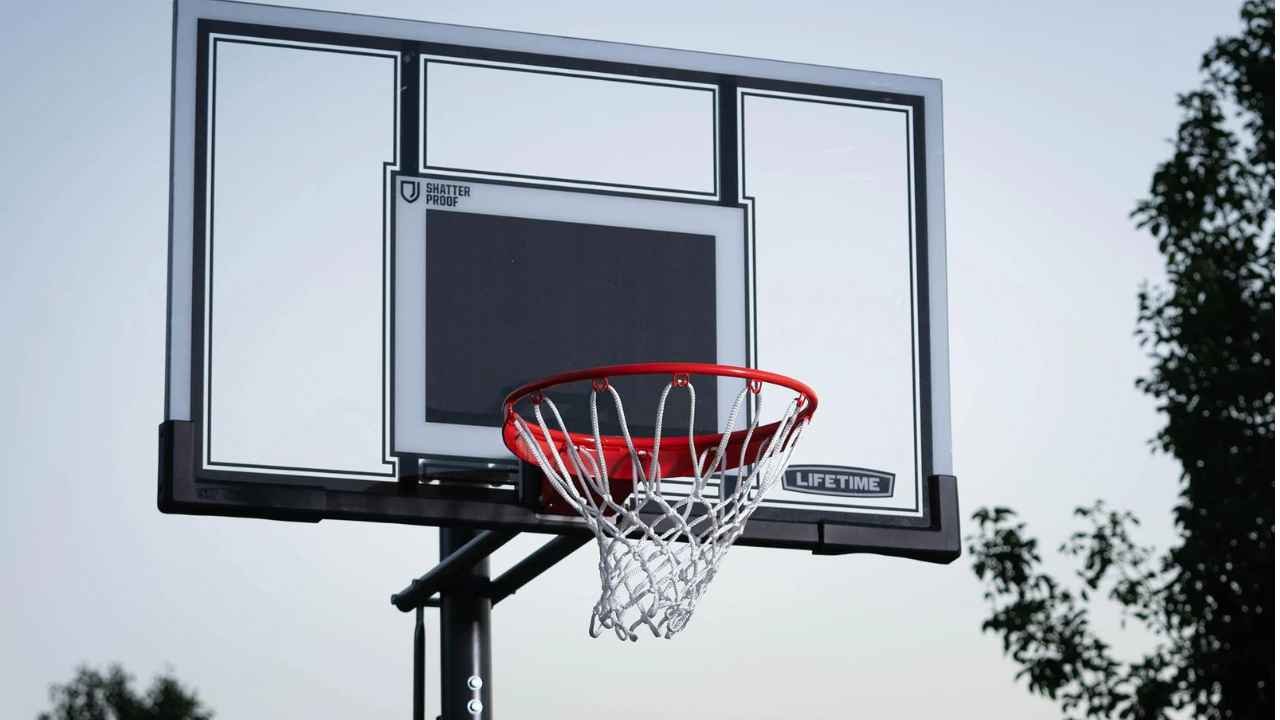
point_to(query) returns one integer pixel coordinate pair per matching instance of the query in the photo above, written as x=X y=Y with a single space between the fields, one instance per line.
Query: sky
x=1055 y=117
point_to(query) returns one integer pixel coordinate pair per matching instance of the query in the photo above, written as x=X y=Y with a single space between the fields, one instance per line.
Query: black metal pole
x=466 y=690
x=419 y=659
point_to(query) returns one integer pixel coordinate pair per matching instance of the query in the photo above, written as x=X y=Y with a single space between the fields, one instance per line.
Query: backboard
x=380 y=227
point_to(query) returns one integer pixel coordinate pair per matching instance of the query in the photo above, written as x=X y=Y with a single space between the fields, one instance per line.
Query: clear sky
x=1055 y=116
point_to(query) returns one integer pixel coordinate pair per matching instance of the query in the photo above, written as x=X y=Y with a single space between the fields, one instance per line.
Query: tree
x=1209 y=330
x=92 y=695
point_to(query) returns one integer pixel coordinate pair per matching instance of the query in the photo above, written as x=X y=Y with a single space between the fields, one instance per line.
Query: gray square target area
x=381 y=227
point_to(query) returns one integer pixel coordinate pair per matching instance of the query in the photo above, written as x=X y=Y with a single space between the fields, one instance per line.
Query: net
x=664 y=511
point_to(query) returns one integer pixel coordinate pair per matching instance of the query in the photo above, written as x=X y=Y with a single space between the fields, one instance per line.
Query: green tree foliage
x=1209 y=330
x=93 y=695
x=1211 y=333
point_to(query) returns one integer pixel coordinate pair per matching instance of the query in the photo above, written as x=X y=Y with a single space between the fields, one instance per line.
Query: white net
x=660 y=550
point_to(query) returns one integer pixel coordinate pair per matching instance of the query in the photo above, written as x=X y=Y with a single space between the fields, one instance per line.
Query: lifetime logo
x=838 y=480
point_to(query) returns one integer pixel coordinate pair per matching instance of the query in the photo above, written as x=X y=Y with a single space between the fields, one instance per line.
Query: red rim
x=674 y=460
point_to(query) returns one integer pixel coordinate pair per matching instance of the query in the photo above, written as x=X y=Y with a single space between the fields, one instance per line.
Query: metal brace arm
x=418 y=593
x=540 y=560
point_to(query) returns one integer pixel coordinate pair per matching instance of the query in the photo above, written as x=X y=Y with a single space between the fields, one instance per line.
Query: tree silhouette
x=1209 y=330
x=92 y=695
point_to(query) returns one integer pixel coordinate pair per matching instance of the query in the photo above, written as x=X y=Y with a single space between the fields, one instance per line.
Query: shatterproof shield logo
x=410 y=190
x=838 y=480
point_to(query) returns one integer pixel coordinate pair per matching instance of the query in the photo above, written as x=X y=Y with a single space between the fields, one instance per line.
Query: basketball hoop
x=658 y=551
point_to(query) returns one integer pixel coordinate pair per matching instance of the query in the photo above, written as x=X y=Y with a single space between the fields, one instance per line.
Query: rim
x=604 y=372
x=672 y=461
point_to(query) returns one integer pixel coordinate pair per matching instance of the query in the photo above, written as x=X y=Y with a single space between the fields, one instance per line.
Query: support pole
x=419 y=660
x=466 y=687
